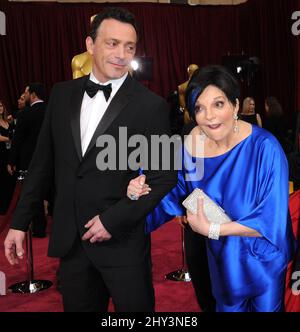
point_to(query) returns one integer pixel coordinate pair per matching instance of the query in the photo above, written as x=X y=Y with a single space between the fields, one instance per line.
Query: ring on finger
x=133 y=197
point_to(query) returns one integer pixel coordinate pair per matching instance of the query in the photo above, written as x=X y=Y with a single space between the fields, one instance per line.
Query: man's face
x=112 y=50
x=27 y=95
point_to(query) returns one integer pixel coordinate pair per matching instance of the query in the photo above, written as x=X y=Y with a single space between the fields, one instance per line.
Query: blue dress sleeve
x=169 y=207
x=270 y=217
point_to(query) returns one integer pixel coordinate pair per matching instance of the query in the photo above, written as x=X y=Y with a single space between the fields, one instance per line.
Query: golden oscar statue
x=82 y=63
x=181 y=93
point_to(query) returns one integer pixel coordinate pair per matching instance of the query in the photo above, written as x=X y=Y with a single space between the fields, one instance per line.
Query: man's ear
x=89 y=45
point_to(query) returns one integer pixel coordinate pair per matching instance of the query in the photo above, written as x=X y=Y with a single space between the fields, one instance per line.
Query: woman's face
x=21 y=102
x=1 y=108
x=214 y=113
x=251 y=105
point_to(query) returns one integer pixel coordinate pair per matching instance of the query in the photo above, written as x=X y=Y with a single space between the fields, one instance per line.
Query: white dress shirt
x=93 y=109
x=36 y=102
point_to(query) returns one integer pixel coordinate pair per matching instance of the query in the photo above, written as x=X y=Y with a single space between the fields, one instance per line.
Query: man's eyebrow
x=119 y=41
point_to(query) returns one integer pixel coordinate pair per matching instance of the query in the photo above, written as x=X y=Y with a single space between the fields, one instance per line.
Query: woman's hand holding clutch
x=199 y=222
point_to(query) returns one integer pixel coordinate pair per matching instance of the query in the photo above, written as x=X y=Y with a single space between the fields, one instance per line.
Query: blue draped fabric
x=250 y=182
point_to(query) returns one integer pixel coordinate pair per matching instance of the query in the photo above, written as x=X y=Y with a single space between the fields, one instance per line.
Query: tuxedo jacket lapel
x=75 y=107
x=119 y=101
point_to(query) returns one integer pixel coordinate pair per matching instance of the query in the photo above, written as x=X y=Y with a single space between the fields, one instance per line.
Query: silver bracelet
x=214 y=231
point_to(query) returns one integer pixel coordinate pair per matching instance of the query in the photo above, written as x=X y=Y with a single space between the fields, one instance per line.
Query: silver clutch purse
x=213 y=212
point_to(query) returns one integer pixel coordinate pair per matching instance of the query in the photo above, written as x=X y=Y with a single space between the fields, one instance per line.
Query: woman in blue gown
x=244 y=171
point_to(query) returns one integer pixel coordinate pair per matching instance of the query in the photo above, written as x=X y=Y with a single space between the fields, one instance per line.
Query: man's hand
x=11 y=169
x=13 y=246
x=96 y=232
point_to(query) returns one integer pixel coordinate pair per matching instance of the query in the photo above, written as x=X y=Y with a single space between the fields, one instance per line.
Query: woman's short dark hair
x=275 y=108
x=116 y=13
x=217 y=76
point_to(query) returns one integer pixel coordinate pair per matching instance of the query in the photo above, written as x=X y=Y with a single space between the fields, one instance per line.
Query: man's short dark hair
x=116 y=13
x=38 y=89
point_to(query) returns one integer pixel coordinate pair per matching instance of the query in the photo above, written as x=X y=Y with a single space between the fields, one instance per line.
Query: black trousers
x=197 y=263
x=87 y=288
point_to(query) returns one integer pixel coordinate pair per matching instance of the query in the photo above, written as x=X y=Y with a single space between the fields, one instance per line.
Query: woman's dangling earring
x=235 y=127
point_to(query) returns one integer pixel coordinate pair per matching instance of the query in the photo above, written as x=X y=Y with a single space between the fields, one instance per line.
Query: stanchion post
x=181 y=274
x=31 y=285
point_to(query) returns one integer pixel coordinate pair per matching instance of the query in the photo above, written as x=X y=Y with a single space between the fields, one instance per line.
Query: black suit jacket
x=26 y=134
x=82 y=191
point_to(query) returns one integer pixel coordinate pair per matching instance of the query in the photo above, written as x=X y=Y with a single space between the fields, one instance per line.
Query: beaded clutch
x=213 y=212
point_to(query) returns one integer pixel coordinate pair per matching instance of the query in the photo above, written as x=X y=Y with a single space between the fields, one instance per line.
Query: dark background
x=42 y=38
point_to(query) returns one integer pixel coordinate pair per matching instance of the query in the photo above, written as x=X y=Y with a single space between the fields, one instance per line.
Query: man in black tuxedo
x=29 y=126
x=24 y=142
x=97 y=231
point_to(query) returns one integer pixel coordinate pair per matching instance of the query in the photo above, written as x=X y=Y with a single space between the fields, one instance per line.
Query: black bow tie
x=92 y=88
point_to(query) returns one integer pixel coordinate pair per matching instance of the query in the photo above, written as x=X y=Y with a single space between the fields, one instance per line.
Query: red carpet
x=166 y=254
x=292 y=302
